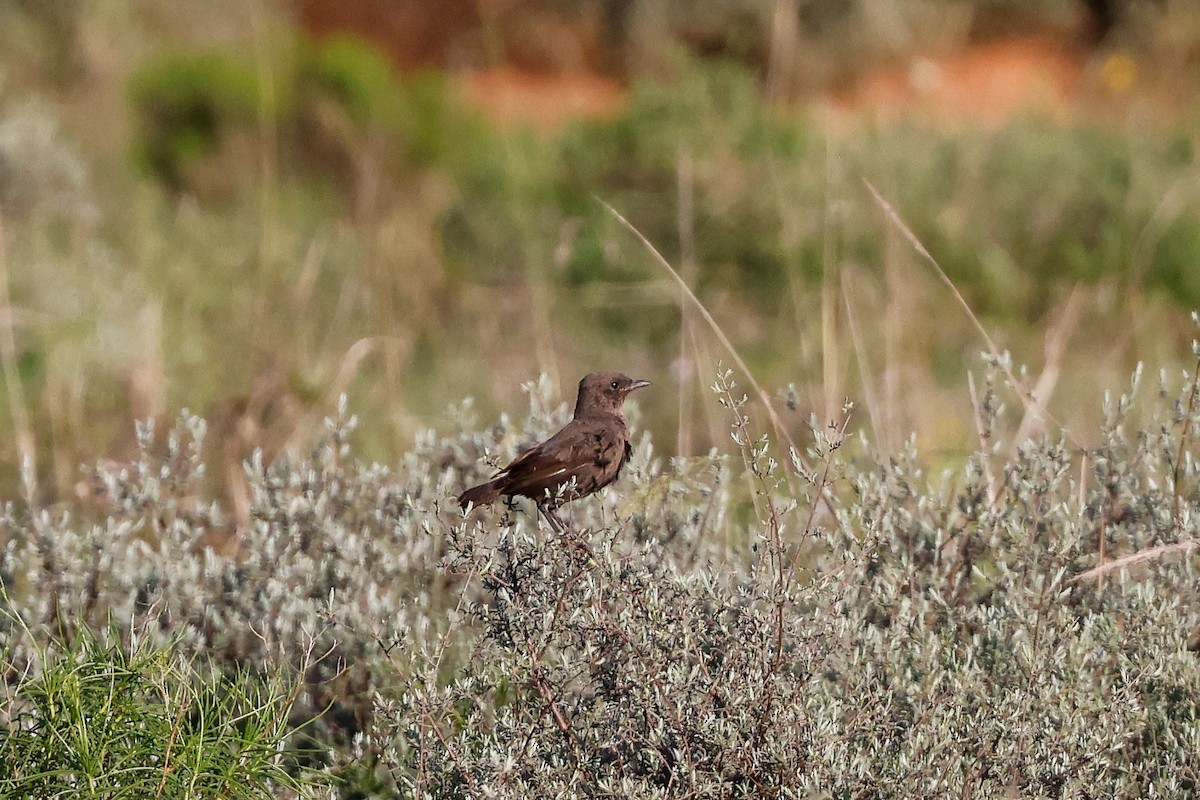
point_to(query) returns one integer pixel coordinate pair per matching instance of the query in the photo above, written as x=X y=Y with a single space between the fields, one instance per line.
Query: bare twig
x=860 y=355
x=552 y=703
x=1141 y=556
x=687 y=266
x=1183 y=437
x=822 y=485
x=462 y=770
x=983 y=448
x=1056 y=345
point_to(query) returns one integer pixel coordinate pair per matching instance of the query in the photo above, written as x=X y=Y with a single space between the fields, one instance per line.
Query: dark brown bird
x=582 y=458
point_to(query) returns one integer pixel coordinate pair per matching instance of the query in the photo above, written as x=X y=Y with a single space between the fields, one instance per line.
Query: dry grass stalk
x=765 y=398
x=1025 y=396
x=1141 y=556
x=12 y=379
x=1056 y=344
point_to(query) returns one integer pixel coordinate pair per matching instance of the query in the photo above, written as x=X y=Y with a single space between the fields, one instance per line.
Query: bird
x=579 y=460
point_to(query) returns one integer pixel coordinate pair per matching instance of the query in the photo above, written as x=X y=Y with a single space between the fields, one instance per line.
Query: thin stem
x=1176 y=512
x=712 y=323
x=12 y=380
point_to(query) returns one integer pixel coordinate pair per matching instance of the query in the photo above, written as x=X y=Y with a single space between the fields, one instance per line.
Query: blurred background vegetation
x=247 y=208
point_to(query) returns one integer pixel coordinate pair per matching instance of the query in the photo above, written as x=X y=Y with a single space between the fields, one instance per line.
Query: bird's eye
x=615 y=384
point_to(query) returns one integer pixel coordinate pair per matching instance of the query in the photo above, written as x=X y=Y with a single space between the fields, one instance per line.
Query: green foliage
x=356 y=75
x=185 y=105
x=1012 y=215
x=95 y=716
x=330 y=103
x=415 y=113
x=1041 y=205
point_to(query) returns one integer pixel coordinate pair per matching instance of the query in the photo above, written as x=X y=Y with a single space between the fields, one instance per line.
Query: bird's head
x=605 y=391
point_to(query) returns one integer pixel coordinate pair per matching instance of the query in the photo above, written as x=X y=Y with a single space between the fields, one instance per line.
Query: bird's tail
x=479 y=495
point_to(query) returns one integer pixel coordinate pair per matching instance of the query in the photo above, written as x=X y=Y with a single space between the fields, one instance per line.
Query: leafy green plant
x=101 y=717
x=186 y=107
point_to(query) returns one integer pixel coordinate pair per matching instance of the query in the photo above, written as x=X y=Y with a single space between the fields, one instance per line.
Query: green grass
x=108 y=713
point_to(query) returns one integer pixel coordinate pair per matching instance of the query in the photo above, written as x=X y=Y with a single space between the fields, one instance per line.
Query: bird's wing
x=574 y=452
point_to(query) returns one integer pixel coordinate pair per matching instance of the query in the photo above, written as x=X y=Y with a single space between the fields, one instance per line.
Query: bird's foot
x=555 y=521
x=563 y=530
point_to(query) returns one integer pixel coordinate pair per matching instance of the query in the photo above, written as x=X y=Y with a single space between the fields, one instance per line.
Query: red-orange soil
x=512 y=96
x=984 y=83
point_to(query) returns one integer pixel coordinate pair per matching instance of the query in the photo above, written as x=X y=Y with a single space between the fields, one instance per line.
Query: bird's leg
x=552 y=517
x=563 y=530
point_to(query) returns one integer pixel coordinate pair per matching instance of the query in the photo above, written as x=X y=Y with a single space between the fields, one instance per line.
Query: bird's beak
x=638 y=384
